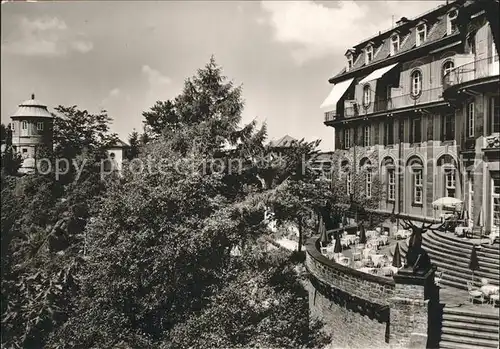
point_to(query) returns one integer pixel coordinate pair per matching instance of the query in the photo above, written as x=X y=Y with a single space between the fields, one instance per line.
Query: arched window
x=366 y=96
x=416 y=83
x=417 y=181
x=448 y=170
x=448 y=67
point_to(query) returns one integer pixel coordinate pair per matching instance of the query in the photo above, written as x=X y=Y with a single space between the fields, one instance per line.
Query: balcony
x=478 y=69
x=397 y=101
x=348 y=112
x=408 y=100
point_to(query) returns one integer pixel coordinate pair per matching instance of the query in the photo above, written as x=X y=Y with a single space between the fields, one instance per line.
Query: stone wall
x=354 y=306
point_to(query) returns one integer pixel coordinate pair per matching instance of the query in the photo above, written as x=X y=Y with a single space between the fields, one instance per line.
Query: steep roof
x=118 y=144
x=32 y=108
x=283 y=142
x=436 y=30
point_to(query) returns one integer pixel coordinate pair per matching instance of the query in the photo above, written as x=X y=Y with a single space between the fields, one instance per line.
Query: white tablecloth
x=377 y=258
x=488 y=290
x=366 y=270
x=402 y=233
x=371 y=233
x=389 y=270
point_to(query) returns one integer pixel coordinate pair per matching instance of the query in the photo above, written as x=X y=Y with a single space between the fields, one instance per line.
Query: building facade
x=418 y=106
x=32 y=130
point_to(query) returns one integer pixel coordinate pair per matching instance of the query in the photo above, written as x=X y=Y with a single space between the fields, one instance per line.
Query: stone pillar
x=409 y=309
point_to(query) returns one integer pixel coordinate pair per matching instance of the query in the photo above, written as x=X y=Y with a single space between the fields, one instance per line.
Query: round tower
x=32 y=126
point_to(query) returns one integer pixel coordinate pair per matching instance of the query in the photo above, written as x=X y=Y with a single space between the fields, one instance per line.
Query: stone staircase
x=452 y=255
x=469 y=329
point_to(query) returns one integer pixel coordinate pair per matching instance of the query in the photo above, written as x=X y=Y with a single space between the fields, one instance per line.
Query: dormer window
x=350 y=62
x=394 y=44
x=368 y=54
x=421 y=34
x=451 y=25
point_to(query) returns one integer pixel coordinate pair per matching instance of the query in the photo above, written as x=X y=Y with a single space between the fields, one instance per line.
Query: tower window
x=24 y=125
x=39 y=126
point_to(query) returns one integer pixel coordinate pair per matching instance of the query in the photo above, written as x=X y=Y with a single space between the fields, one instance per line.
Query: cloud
x=314 y=30
x=112 y=95
x=47 y=37
x=155 y=78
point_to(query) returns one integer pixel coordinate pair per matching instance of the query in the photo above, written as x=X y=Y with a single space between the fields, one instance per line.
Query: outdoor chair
x=494 y=299
x=324 y=251
x=437 y=278
x=356 y=255
x=474 y=293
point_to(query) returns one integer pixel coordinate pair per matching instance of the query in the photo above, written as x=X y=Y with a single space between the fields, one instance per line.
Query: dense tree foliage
x=144 y=259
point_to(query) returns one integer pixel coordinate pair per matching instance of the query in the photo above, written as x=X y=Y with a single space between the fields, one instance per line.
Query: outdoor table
x=402 y=233
x=366 y=270
x=488 y=290
x=461 y=231
x=371 y=233
x=367 y=252
x=377 y=258
x=384 y=239
x=390 y=270
x=352 y=238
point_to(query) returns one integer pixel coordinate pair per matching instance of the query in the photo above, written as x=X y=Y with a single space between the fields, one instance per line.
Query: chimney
x=403 y=20
x=32 y=96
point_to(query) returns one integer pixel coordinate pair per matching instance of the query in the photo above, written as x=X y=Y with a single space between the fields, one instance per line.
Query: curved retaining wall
x=353 y=305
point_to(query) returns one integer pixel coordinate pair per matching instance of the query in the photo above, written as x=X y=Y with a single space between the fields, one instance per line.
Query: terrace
x=471 y=76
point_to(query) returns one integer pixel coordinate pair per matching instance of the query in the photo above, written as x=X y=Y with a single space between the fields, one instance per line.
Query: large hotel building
x=418 y=105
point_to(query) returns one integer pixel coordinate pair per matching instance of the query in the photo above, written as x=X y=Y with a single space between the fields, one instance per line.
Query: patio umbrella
x=396 y=258
x=338 y=245
x=474 y=261
x=447 y=201
x=362 y=234
x=323 y=238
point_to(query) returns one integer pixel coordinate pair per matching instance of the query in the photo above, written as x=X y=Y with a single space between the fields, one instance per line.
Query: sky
x=124 y=56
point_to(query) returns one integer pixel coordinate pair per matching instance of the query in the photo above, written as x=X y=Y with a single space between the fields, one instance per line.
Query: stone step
x=471 y=313
x=481 y=343
x=465 y=272
x=455 y=345
x=453 y=284
x=470 y=333
x=486 y=247
x=471 y=326
x=458 y=253
x=465 y=247
x=471 y=320
x=460 y=260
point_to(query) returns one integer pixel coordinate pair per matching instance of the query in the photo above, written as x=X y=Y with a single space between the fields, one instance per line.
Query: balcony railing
x=392 y=103
x=478 y=69
x=408 y=100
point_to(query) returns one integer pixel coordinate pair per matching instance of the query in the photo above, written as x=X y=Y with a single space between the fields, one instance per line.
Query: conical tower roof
x=32 y=108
